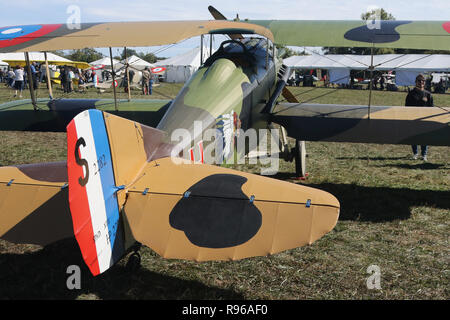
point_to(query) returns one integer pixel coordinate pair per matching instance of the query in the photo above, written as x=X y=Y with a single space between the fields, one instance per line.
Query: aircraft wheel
x=300 y=158
x=134 y=262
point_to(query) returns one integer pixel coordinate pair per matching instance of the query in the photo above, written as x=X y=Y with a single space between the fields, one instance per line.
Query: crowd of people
x=16 y=77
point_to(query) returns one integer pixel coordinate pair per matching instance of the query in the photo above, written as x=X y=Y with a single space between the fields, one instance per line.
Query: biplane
x=126 y=183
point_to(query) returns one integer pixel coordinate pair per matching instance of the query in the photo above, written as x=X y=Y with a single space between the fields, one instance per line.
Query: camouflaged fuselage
x=233 y=86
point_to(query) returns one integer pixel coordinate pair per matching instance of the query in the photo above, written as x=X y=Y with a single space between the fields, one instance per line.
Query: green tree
x=86 y=55
x=285 y=52
x=149 y=57
x=130 y=52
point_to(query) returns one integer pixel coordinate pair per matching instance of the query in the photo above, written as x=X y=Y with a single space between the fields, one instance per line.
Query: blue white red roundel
x=158 y=69
x=10 y=36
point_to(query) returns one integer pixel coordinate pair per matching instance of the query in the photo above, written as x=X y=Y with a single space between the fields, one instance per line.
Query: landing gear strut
x=300 y=158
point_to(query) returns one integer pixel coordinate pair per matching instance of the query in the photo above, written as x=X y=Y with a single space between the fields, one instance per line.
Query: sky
x=24 y=12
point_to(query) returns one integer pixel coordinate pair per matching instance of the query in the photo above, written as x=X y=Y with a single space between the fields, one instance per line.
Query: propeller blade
x=289 y=96
x=218 y=16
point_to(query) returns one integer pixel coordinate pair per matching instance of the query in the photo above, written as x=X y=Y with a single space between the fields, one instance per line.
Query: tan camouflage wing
x=34 y=205
x=347 y=123
x=115 y=34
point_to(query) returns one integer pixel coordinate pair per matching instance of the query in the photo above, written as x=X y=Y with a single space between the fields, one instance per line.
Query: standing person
x=62 y=75
x=11 y=76
x=66 y=79
x=34 y=75
x=43 y=71
x=18 y=80
x=145 y=81
x=419 y=97
x=71 y=79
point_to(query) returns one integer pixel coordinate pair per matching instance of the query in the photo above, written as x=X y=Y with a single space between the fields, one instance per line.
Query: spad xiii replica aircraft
x=123 y=184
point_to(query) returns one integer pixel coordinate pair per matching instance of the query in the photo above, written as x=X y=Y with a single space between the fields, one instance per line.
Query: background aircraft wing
x=54 y=115
x=349 y=123
x=48 y=37
x=34 y=205
x=431 y=35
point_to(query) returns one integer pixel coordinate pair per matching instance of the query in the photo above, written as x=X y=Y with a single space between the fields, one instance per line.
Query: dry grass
x=394 y=214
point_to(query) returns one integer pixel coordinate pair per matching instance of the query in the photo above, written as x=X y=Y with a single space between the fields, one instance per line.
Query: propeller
x=218 y=16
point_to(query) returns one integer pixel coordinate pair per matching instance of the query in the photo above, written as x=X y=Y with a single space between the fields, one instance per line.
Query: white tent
x=180 y=68
x=406 y=66
x=34 y=56
x=137 y=63
x=407 y=62
x=106 y=61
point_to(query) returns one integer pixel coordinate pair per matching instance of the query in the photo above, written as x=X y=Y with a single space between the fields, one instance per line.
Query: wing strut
x=127 y=70
x=113 y=79
x=30 y=82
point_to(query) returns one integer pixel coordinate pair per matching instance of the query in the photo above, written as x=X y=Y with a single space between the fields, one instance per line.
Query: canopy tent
x=407 y=66
x=409 y=62
x=136 y=63
x=181 y=67
x=106 y=61
x=18 y=58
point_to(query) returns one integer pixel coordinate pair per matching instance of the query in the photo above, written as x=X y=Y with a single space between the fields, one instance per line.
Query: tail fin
x=104 y=154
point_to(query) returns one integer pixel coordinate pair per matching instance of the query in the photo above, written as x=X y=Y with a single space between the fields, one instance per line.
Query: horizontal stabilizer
x=34 y=206
x=203 y=212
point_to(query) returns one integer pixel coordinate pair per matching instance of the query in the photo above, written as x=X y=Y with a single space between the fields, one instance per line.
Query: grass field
x=394 y=214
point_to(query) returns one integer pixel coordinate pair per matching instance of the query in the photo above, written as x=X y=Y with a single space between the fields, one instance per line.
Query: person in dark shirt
x=419 y=97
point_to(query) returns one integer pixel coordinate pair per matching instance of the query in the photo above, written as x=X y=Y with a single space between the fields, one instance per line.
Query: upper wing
x=429 y=35
x=114 y=34
x=347 y=123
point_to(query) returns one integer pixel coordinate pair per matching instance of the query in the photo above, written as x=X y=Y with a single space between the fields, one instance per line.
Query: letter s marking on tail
x=81 y=162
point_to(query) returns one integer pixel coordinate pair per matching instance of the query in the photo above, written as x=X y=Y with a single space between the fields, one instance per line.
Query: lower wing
x=346 y=123
x=54 y=115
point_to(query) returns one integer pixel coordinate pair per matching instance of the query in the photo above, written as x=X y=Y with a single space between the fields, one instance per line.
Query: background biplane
x=122 y=186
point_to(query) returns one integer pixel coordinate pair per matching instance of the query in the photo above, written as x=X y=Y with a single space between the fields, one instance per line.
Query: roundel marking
x=158 y=69
x=446 y=26
x=10 y=36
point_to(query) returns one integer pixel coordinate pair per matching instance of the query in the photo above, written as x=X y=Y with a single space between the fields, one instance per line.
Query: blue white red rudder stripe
x=93 y=192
